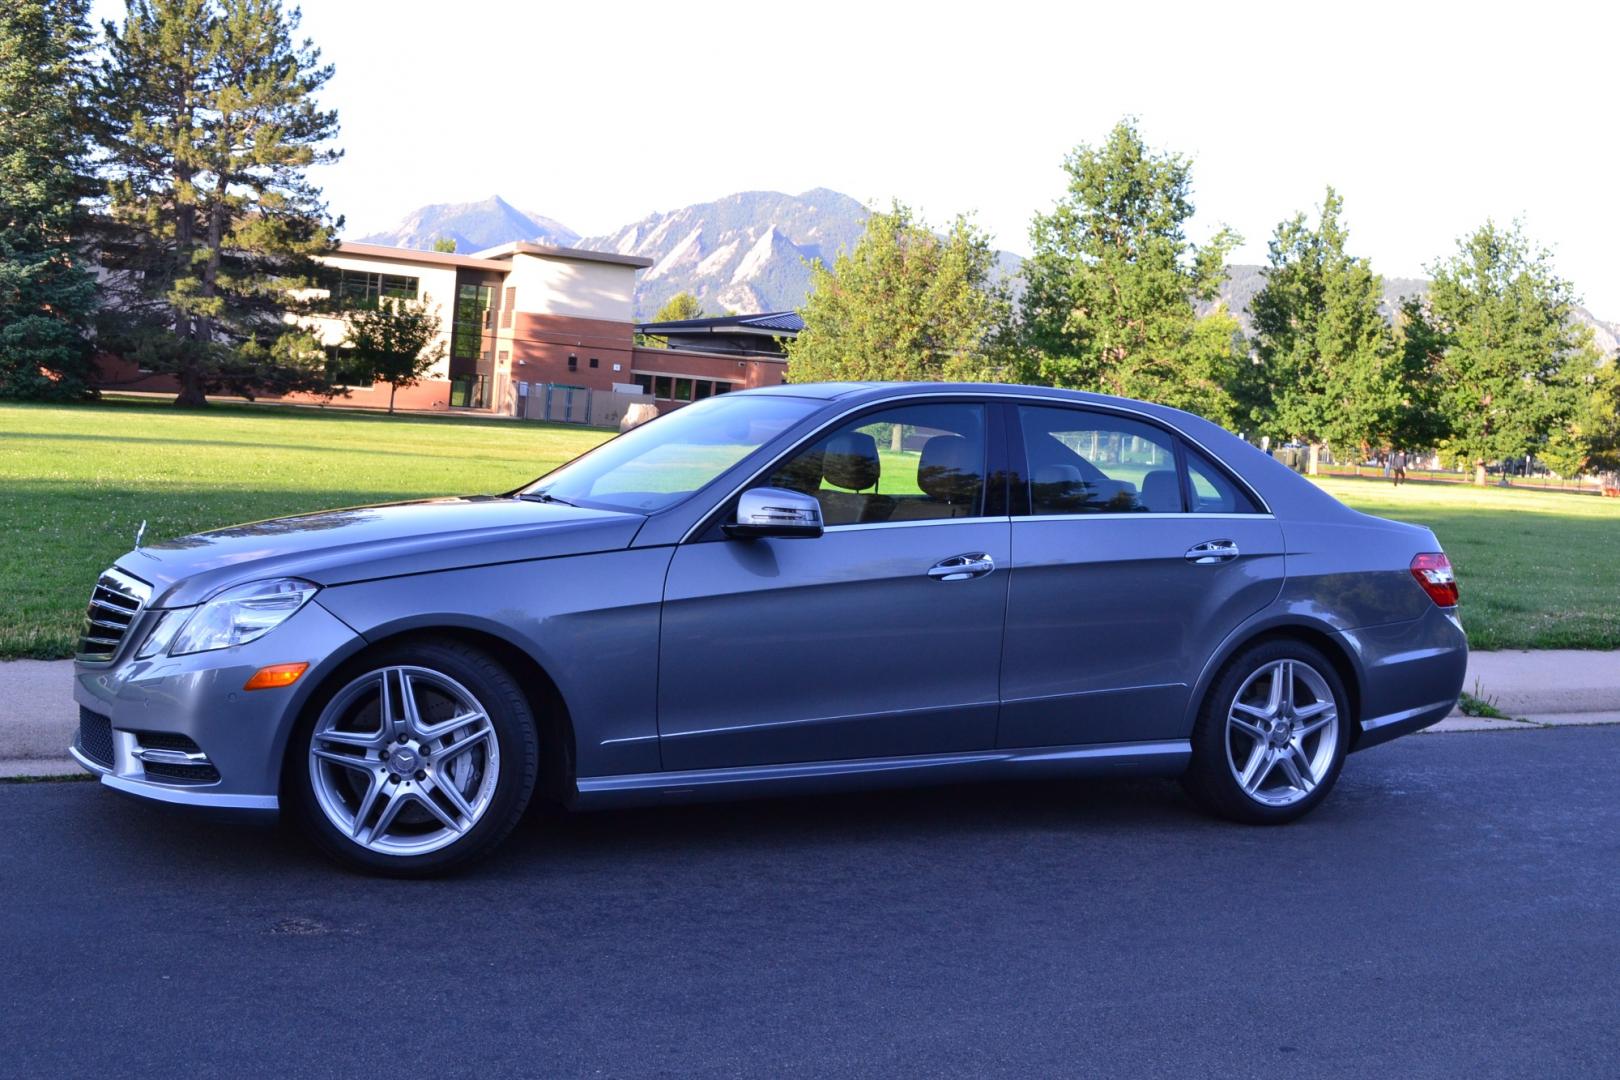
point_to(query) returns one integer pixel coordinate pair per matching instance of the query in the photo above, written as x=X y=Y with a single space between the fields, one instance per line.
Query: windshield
x=663 y=461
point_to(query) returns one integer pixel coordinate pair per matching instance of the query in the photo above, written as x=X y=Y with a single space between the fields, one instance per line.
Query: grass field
x=1538 y=570
x=75 y=482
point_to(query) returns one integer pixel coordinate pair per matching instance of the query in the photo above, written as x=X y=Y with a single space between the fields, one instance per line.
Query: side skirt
x=817 y=777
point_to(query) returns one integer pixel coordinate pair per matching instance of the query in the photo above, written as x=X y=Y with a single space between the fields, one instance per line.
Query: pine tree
x=211 y=126
x=1509 y=361
x=1328 y=362
x=47 y=293
x=1110 y=293
x=904 y=304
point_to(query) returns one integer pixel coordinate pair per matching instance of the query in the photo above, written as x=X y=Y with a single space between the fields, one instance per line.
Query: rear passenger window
x=1212 y=492
x=1092 y=463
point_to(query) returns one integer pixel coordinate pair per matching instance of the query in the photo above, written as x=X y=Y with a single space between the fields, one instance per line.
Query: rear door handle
x=1212 y=551
x=962 y=567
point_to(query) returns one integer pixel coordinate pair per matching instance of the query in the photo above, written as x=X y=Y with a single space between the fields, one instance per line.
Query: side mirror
x=775 y=512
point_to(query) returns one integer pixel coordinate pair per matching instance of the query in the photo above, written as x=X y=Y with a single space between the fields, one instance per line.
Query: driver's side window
x=911 y=463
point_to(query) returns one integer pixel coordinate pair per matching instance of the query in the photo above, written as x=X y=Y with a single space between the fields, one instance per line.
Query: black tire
x=505 y=704
x=1210 y=778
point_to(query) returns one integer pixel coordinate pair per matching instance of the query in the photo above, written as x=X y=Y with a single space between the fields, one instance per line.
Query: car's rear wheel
x=1271 y=736
x=421 y=758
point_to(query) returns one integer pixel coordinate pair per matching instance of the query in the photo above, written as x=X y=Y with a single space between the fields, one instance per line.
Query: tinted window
x=913 y=463
x=1212 y=491
x=1092 y=463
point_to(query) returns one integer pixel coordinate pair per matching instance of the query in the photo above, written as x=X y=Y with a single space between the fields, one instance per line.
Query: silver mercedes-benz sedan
x=803 y=588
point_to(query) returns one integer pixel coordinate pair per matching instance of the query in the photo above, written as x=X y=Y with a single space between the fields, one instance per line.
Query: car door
x=879 y=638
x=1135 y=556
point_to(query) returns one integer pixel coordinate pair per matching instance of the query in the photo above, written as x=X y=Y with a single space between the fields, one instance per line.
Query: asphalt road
x=1452 y=910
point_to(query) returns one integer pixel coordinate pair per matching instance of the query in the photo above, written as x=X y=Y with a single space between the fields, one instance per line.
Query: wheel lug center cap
x=404 y=761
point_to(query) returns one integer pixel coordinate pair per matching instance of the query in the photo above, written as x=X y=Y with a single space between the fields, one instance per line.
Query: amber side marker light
x=268 y=678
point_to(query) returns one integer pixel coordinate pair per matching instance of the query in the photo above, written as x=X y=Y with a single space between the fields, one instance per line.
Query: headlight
x=240 y=615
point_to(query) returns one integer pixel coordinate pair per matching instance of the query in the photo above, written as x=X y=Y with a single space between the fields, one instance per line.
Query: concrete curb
x=1552 y=688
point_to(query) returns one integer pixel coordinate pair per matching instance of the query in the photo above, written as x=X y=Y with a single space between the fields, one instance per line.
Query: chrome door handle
x=962 y=567
x=1212 y=551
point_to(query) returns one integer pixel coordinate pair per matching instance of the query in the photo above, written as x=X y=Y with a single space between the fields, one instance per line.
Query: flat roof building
x=525 y=316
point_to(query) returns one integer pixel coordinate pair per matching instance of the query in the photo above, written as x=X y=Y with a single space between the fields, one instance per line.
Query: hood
x=367 y=542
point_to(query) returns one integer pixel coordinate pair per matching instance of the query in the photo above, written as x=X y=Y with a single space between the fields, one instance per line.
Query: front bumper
x=237 y=738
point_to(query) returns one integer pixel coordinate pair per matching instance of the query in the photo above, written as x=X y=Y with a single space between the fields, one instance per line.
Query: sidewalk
x=1550 y=688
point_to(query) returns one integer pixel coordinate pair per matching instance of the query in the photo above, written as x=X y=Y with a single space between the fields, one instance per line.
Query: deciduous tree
x=1110 y=293
x=47 y=293
x=395 y=342
x=1508 y=358
x=904 y=304
x=211 y=125
x=1328 y=363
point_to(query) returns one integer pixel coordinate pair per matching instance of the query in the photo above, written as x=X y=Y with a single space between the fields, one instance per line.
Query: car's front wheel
x=1271 y=736
x=421 y=758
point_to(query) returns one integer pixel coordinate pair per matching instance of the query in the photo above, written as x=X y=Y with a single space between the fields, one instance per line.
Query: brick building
x=522 y=318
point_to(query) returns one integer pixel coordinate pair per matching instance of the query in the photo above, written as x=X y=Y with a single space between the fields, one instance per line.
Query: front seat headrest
x=948 y=469
x=1161 y=492
x=851 y=461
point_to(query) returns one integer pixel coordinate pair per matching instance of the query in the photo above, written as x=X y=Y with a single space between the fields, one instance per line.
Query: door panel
x=1109 y=622
x=840 y=647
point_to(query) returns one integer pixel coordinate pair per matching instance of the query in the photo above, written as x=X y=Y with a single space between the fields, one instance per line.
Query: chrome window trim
x=985 y=399
x=1147 y=515
x=979 y=519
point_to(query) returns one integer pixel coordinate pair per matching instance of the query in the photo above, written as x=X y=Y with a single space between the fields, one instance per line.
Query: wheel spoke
x=410 y=719
x=390 y=810
x=443 y=784
x=1292 y=771
x=427 y=801
x=461 y=745
x=1260 y=761
x=1302 y=762
x=1320 y=720
x=368 y=802
x=367 y=740
x=348 y=761
x=1286 y=673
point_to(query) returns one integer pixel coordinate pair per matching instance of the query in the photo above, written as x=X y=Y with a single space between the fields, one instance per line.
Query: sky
x=1428 y=118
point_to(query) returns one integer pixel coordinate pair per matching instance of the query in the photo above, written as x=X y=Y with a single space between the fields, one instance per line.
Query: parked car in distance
x=793 y=589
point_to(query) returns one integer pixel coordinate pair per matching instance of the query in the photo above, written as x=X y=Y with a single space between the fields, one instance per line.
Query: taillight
x=1433 y=571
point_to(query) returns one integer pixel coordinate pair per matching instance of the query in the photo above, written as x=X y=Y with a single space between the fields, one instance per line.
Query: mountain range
x=751 y=251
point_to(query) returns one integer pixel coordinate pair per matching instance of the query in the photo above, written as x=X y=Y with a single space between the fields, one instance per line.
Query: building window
x=593 y=361
x=471 y=317
x=507 y=302
x=573 y=362
x=674 y=388
x=358 y=288
x=505 y=354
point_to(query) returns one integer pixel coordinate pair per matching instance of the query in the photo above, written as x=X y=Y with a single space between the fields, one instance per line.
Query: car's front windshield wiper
x=542 y=497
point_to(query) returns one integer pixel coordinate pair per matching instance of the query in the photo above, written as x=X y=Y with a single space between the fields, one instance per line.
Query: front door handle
x=1212 y=551
x=962 y=567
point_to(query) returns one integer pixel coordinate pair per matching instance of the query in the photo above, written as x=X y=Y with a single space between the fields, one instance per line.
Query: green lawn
x=1537 y=569
x=76 y=481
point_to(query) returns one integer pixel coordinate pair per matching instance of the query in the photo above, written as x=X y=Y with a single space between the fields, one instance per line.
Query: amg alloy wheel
x=1271 y=736
x=404 y=760
x=423 y=758
x=1281 y=732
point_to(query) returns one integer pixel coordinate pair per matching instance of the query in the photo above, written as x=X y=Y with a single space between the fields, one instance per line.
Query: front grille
x=114 y=603
x=95 y=737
